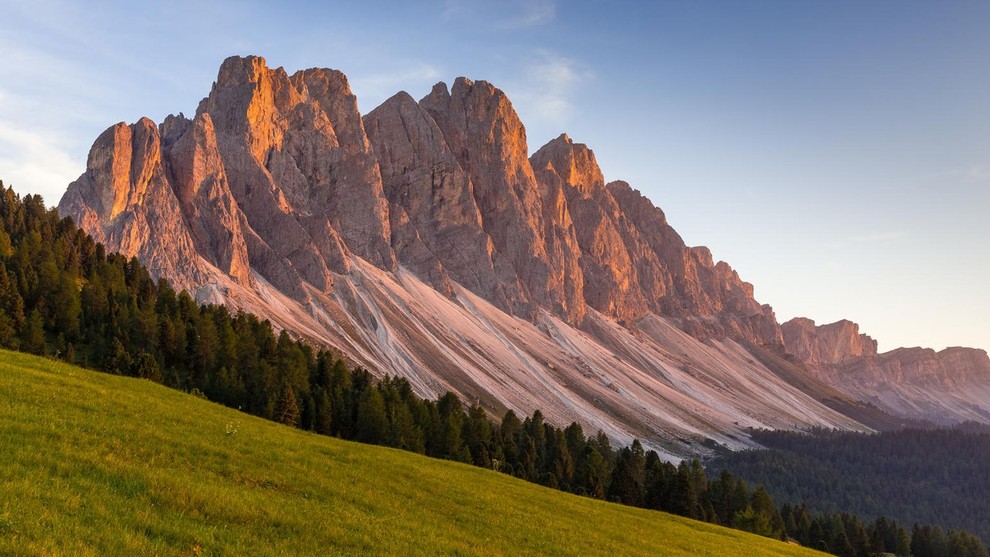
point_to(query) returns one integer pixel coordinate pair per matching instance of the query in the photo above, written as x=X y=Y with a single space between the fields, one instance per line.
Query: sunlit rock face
x=834 y=343
x=634 y=264
x=423 y=240
x=945 y=387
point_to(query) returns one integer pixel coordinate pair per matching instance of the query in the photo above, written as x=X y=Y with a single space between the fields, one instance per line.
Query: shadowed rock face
x=488 y=141
x=437 y=227
x=280 y=198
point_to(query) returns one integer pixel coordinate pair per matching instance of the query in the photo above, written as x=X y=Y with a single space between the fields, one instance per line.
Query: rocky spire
x=488 y=141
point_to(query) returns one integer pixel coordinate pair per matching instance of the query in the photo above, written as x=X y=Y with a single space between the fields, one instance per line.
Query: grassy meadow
x=96 y=464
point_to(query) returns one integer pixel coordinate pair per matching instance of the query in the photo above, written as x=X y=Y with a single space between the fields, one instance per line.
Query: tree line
x=62 y=295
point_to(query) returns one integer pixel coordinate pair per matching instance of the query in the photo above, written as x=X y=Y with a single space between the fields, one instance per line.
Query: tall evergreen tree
x=372 y=423
x=288 y=406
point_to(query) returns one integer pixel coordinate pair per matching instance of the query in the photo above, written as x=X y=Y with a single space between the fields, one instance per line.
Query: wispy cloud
x=549 y=84
x=35 y=162
x=976 y=174
x=877 y=237
x=372 y=89
x=534 y=12
x=506 y=16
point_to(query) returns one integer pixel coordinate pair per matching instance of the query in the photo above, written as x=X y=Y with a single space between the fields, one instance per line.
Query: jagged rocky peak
x=200 y=183
x=833 y=343
x=488 y=141
x=437 y=229
x=634 y=263
x=278 y=197
x=124 y=200
x=258 y=181
x=279 y=175
x=121 y=163
x=332 y=92
x=242 y=101
x=610 y=275
x=574 y=162
x=944 y=387
x=313 y=162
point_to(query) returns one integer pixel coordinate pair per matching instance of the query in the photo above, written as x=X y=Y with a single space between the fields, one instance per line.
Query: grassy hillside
x=95 y=464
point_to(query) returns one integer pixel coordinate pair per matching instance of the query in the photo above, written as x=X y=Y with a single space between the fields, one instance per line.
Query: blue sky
x=837 y=154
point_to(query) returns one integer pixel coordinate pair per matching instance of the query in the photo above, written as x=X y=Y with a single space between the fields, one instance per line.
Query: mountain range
x=423 y=240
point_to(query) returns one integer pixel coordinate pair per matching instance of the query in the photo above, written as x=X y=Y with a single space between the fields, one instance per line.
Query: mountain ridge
x=422 y=239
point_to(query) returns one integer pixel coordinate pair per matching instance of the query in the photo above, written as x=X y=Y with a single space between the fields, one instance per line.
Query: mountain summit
x=423 y=240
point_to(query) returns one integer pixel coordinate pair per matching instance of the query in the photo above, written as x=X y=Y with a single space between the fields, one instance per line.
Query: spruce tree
x=372 y=424
x=288 y=407
x=147 y=367
x=33 y=334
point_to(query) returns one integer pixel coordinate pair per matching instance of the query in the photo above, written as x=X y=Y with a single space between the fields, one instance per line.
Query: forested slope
x=936 y=476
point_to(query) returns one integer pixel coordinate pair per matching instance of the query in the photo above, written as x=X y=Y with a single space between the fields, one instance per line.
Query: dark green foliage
x=760 y=516
x=33 y=334
x=147 y=367
x=935 y=476
x=372 y=423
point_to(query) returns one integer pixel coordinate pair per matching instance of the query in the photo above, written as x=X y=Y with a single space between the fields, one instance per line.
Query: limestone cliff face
x=635 y=264
x=200 y=184
x=948 y=386
x=295 y=174
x=124 y=198
x=488 y=141
x=611 y=282
x=273 y=175
x=437 y=228
x=834 y=343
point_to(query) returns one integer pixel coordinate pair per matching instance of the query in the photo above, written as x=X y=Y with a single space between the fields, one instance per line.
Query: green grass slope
x=95 y=464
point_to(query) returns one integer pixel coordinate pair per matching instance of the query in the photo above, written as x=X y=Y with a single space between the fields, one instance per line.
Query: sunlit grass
x=94 y=464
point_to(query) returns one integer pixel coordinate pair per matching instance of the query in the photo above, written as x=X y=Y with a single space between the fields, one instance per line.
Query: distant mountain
x=422 y=240
x=944 y=387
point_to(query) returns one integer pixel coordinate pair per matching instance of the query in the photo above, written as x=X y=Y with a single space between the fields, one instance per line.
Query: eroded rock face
x=834 y=343
x=124 y=198
x=634 y=263
x=949 y=386
x=280 y=175
x=289 y=160
x=610 y=277
x=274 y=175
x=435 y=204
x=488 y=141
x=200 y=184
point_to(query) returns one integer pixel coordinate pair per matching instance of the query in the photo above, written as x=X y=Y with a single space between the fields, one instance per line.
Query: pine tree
x=477 y=434
x=372 y=424
x=323 y=420
x=508 y=433
x=147 y=367
x=288 y=407
x=452 y=418
x=902 y=547
x=33 y=334
x=624 y=487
